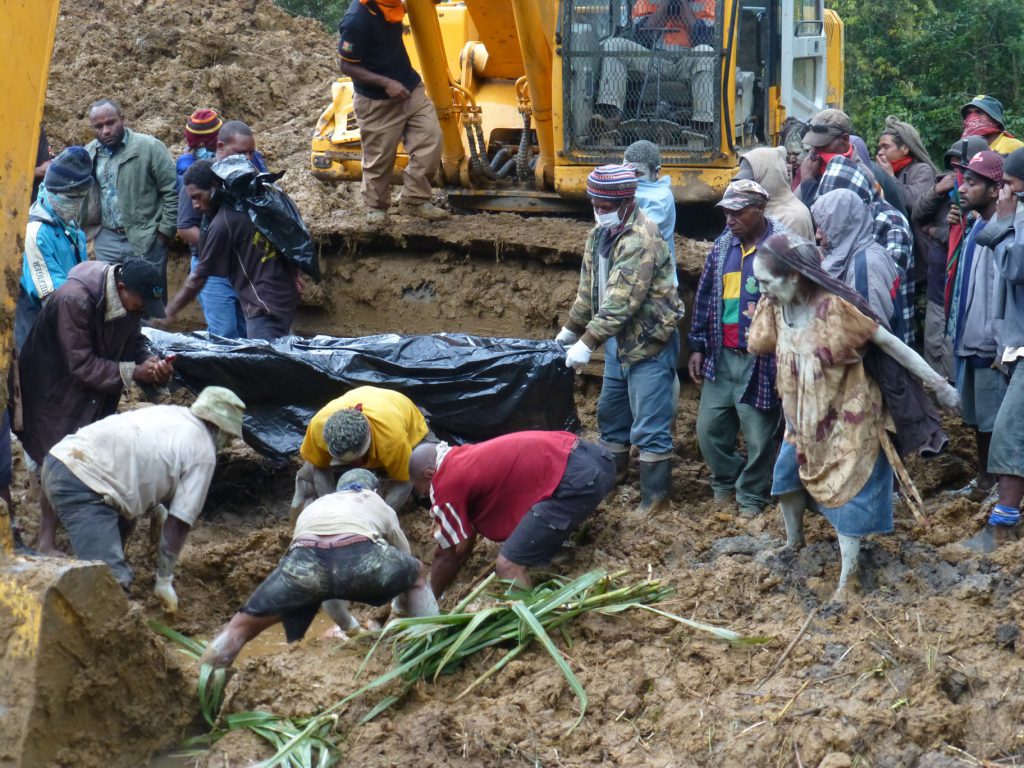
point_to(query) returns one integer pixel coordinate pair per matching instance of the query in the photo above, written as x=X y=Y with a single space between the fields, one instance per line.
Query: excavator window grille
x=635 y=69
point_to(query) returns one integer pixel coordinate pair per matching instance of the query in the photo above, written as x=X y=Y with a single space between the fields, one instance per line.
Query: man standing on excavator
x=391 y=105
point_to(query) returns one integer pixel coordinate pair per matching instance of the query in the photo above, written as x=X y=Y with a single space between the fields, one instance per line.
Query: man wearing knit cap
x=138 y=191
x=201 y=139
x=973 y=320
x=105 y=476
x=366 y=427
x=737 y=388
x=627 y=301
x=221 y=307
x=54 y=239
x=654 y=194
x=1004 y=233
x=983 y=116
x=391 y=105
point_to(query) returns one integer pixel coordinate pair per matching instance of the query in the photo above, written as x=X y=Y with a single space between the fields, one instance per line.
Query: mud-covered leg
x=240 y=630
x=793 y=506
x=418 y=600
x=849 y=550
x=338 y=611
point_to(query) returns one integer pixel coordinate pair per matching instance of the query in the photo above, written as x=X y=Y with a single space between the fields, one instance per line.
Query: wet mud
x=922 y=666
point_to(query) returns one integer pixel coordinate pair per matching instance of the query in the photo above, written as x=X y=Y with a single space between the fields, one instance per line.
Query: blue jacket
x=656 y=201
x=51 y=249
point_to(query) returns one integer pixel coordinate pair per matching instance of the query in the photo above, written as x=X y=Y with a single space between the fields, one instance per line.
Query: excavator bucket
x=81 y=675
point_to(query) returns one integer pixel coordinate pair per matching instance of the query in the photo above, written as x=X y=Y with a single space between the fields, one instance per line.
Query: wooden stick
x=789 y=649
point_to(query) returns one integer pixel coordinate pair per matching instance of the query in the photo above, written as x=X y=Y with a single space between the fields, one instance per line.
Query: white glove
x=164 y=591
x=578 y=356
x=947 y=395
x=566 y=337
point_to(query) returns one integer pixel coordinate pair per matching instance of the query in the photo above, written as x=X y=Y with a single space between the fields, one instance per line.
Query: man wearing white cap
x=627 y=301
x=737 y=388
x=103 y=477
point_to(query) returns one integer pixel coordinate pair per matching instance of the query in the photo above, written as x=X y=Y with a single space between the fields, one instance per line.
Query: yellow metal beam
x=426 y=34
x=27 y=36
x=535 y=41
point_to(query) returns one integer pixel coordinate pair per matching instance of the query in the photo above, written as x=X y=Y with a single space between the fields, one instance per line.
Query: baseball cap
x=988 y=164
x=987 y=104
x=826 y=126
x=741 y=193
x=145 y=281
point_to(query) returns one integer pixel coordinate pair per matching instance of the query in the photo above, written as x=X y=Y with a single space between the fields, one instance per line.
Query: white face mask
x=783 y=289
x=606 y=220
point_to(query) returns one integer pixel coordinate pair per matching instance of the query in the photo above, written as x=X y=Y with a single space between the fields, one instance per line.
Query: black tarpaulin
x=473 y=388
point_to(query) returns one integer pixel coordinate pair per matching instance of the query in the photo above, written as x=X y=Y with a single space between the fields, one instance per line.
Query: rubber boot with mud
x=655 y=486
x=991 y=537
x=621 y=466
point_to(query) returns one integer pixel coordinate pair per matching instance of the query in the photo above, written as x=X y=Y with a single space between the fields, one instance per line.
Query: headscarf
x=795 y=254
x=847 y=223
x=908 y=136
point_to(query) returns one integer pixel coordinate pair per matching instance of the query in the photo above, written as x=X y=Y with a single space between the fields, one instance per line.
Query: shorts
x=1006 y=452
x=870 y=511
x=365 y=572
x=589 y=477
x=981 y=392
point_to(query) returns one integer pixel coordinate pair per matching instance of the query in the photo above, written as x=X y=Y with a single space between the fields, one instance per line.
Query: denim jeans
x=638 y=404
x=93 y=525
x=221 y=308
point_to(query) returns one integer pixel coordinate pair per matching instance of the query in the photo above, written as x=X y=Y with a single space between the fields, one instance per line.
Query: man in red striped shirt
x=529 y=490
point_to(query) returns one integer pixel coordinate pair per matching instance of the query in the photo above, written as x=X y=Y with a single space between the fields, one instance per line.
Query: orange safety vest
x=676 y=32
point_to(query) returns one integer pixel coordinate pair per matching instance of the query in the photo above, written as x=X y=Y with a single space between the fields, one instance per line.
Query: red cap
x=987 y=163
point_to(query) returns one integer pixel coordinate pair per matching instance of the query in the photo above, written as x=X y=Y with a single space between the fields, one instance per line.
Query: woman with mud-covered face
x=836 y=451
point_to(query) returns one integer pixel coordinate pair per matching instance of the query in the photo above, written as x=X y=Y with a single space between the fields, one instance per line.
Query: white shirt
x=359 y=512
x=138 y=459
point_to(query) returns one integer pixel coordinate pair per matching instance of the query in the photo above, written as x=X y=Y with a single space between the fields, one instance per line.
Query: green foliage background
x=922 y=59
x=918 y=59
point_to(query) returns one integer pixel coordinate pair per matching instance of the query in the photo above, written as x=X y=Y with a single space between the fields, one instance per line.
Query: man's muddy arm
x=447 y=563
x=947 y=395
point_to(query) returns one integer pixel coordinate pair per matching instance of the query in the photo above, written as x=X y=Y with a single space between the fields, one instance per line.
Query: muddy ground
x=922 y=668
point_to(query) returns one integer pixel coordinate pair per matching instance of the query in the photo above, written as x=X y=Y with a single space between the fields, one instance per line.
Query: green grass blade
x=463 y=636
x=719 y=632
x=493 y=670
x=538 y=631
x=474 y=593
x=189 y=646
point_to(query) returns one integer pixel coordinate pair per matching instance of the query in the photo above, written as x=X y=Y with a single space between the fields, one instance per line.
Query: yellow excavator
x=532 y=94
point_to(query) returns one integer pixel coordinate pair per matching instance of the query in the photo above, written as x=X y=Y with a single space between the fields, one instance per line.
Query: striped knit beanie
x=612 y=182
x=202 y=128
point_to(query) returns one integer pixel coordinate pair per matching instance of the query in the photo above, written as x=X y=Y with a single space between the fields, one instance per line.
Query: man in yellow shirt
x=367 y=427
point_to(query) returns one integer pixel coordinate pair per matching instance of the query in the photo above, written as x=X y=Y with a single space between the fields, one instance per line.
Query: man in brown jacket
x=84 y=350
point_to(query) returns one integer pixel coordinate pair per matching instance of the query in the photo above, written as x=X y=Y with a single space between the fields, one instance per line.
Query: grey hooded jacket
x=847 y=224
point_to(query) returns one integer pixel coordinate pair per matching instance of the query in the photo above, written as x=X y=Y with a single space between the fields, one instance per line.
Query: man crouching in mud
x=346 y=546
x=837 y=455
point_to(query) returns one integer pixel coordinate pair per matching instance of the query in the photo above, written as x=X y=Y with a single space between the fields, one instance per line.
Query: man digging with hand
x=155 y=460
x=346 y=546
x=366 y=427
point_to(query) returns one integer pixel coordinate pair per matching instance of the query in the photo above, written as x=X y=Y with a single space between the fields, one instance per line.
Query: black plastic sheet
x=473 y=388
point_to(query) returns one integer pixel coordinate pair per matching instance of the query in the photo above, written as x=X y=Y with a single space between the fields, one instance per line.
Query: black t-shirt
x=232 y=247
x=188 y=216
x=370 y=41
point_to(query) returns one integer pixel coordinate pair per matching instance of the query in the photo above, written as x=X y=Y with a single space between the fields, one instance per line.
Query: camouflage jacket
x=641 y=305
